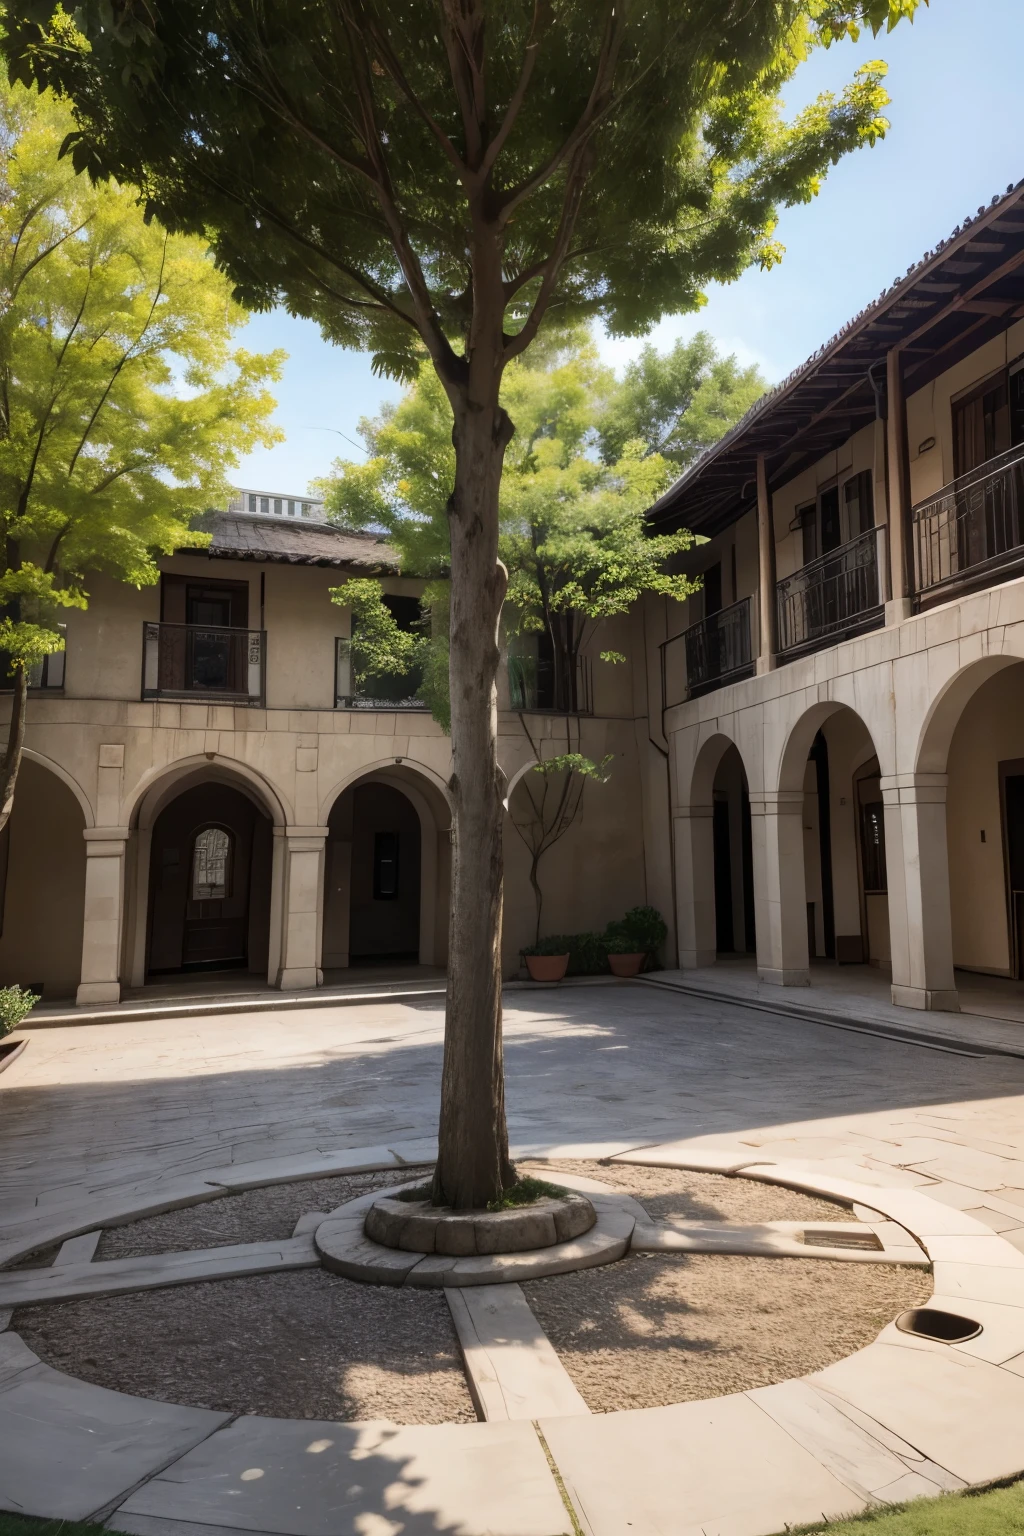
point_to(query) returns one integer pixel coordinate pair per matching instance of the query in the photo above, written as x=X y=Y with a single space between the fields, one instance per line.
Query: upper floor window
x=840 y=512
x=211 y=864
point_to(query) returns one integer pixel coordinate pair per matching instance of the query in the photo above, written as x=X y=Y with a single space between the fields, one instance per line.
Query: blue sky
x=957 y=138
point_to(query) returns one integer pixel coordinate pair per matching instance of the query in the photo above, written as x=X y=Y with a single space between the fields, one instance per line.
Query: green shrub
x=15 y=1003
x=587 y=953
x=641 y=932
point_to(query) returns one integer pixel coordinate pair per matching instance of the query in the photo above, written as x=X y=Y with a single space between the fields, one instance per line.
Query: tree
x=117 y=421
x=553 y=790
x=678 y=402
x=444 y=174
x=572 y=532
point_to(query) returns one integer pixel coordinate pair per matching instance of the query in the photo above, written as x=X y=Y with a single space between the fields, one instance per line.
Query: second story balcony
x=198 y=662
x=833 y=598
x=714 y=651
x=971 y=533
x=355 y=689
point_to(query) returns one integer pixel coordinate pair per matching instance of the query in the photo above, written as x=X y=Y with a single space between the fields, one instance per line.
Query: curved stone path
x=935 y=1146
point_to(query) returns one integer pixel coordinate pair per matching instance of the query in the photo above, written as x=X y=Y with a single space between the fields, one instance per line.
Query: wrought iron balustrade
x=380 y=691
x=200 y=661
x=716 y=650
x=973 y=526
x=832 y=598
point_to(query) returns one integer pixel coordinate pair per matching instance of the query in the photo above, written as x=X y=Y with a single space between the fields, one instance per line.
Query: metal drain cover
x=823 y=1237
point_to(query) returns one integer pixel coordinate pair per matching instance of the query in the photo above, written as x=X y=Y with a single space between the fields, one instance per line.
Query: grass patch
x=27 y=1525
x=995 y=1512
x=525 y=1192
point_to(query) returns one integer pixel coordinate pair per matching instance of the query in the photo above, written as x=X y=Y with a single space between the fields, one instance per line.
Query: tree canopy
x=572 y=532
x=122 y=403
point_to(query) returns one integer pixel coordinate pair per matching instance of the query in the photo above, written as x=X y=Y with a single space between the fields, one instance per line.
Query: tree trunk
x=15 y=744
x=473 y=1164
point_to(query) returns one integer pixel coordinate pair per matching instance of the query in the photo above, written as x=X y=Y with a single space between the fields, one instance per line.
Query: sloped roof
x=239 y=537
x=957 y=297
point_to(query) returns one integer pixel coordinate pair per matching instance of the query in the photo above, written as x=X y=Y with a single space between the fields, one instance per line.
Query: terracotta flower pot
x=626 y=965
x=546 y=967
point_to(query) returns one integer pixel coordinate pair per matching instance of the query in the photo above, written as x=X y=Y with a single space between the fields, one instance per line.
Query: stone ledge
x=416 y=1226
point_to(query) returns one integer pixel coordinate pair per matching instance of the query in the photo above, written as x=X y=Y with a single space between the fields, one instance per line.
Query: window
x=265 y=505
x=860 y=509
x=211 y=865
x=981 y=425
x=385 y=866
x=253 y=502
x=306 y=508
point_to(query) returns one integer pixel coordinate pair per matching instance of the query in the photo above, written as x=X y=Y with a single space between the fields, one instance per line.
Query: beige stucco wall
x=990 y=731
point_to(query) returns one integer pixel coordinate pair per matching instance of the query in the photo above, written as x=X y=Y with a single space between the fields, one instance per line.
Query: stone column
x=693 y=830
x=104 y=909
x=780 y=887
x=301 y=906
x=917 y=861
x=898 y=606
x=766 y=571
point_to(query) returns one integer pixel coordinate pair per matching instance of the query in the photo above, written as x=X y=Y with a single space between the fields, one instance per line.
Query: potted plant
x=631 y=942
x=548 y=959
x=15 y=1003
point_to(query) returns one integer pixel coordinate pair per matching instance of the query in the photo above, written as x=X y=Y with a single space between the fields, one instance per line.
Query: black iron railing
x=195 y=660
x=972 y=526
x=833 y=597
x=381 y=691
x=716 y=650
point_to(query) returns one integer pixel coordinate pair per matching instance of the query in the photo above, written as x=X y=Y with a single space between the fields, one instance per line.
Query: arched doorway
x=209 y=883
x=42 y=885
x=843 y=826
x=733 y=858
x=387 y=873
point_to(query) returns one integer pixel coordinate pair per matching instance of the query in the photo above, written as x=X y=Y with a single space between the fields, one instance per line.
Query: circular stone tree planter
x=416 y=1226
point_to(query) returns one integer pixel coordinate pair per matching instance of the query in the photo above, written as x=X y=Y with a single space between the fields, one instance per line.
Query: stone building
x=818 y=760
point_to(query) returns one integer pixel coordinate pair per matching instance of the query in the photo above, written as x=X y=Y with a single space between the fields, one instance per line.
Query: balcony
x=715 y=651
x=972 y=531
x=382 y=691
x=832 y=598
x=193 y=661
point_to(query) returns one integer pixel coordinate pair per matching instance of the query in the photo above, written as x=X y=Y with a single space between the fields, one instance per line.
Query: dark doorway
x=209 y=906
x=819 y=757
x=384 y=911
x=725 y=941
x=831 y=526
x=1012 y=775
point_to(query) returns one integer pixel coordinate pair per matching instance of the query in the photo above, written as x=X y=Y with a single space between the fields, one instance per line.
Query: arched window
x=211 y=864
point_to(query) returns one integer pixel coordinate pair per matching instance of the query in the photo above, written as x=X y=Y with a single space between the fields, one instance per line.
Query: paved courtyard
x=97 y=1122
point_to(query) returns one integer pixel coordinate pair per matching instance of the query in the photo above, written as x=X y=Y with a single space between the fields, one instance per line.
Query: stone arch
x=943 y=715
x=427 y=794
x=154 y=793
x=42 y=880
x=695 y=849
x=160 y=784
x=65 y=778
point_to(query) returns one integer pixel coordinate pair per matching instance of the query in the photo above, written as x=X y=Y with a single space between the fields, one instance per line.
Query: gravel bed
x=254 y=1216
x=302 y=1345
x=656 y=1329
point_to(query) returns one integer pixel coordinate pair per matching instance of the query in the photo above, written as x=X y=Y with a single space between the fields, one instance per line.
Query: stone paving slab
x=68 y=1282
x=512 y=1370
x=79 y=1250
x=980 y=1282
x=720 y=1468
x=772 y=1240
x=68 y=1449
x=963 y=1413
x=312 y=1478
x=312 y=1165
x=848 y=1450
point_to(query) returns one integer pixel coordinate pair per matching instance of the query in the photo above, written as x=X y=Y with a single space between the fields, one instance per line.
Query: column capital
x=776 y=802
x=692 y=812
x=105 y=842
x=914 y=788
x=302 y=834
